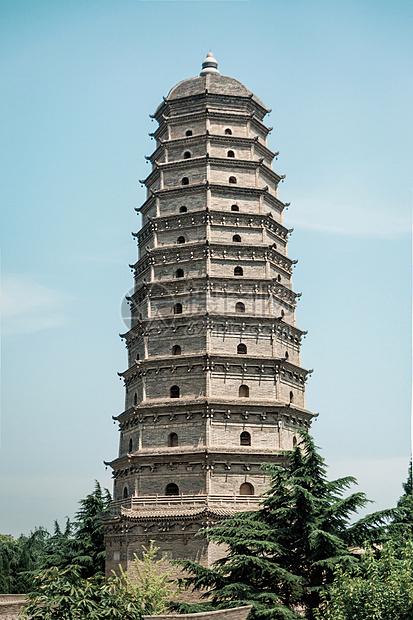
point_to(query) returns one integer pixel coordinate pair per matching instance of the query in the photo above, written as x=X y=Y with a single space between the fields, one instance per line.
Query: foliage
x=89 y=548
x=65 y=595
x=380 y=587
x=80 y=543
x=59 y=547
x=401 y=528
x=150 y=583
x=18 y=558
x=282 y=556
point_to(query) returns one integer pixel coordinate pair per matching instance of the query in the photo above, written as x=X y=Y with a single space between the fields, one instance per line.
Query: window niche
x=172 y=489
x=172 y=440
x=246 y=489
x=174 y=391
x=243 y=391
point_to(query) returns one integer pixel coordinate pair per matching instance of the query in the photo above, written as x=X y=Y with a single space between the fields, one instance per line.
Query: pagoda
x=214 y=383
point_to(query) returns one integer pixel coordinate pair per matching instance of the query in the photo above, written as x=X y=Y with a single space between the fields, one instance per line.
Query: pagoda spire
x=210 y=65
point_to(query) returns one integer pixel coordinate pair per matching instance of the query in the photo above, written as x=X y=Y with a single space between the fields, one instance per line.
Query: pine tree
x=401 y=528
x=89 y=548
x=60 y=547
x=283 y=555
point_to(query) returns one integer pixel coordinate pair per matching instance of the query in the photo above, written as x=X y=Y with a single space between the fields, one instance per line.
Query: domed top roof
x=210 y=80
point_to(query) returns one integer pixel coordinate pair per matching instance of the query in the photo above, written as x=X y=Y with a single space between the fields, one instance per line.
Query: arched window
x=172 y=489
x=278 y=278
x=238 y=271
x=294 y=442
x=137 y=357
x=230 y=154
x=228 y=131
x=130 y=445
x=187 y=155
x=282 y=314
x=179 y=273
x=234 y=208
x=178 y=308
x=135 y=399
x=183 y=209
x=242 y=348
x=185 y=181
x=176 y=349
x=236 y=239
x=245 y=439
x=291 y=397
x=174 y=391
x=180 y=239
x=172 y=440
x=232 y=180
x=125 y=492
x=246 y=489
x=188 y=132
x=286 y=355
x=244 y=391
x=239 y=307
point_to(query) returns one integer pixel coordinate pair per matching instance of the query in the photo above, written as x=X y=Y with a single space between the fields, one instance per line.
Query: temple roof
x=212 y=82
x=187 y=512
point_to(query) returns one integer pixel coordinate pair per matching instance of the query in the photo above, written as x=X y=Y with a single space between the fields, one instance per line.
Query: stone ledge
x=234 y=613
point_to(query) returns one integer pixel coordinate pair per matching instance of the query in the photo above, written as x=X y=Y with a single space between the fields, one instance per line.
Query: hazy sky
x=78 y=81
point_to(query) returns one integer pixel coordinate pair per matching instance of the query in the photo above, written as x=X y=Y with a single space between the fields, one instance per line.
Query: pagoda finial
x=209 y=65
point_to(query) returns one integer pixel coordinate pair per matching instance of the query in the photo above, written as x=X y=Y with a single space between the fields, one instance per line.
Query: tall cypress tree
x=283 y=555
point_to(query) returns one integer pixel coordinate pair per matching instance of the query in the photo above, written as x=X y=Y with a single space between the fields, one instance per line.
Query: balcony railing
x=148 y=502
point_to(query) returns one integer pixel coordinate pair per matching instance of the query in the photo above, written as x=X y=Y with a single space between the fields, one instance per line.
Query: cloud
x=27 y=306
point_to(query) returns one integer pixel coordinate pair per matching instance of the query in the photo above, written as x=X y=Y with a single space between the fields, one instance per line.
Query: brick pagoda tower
x=214 y=385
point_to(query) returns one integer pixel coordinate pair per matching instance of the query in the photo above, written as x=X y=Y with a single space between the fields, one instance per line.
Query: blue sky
x=79 y=80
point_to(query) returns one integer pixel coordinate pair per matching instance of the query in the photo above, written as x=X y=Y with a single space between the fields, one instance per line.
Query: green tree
x=89 y=548
x=150 y=583
x=65 y=595
x=380 y=587
x=282 y=556
x=59 y=548
x=18 y=558
x=401 y=527
x=81 y=542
